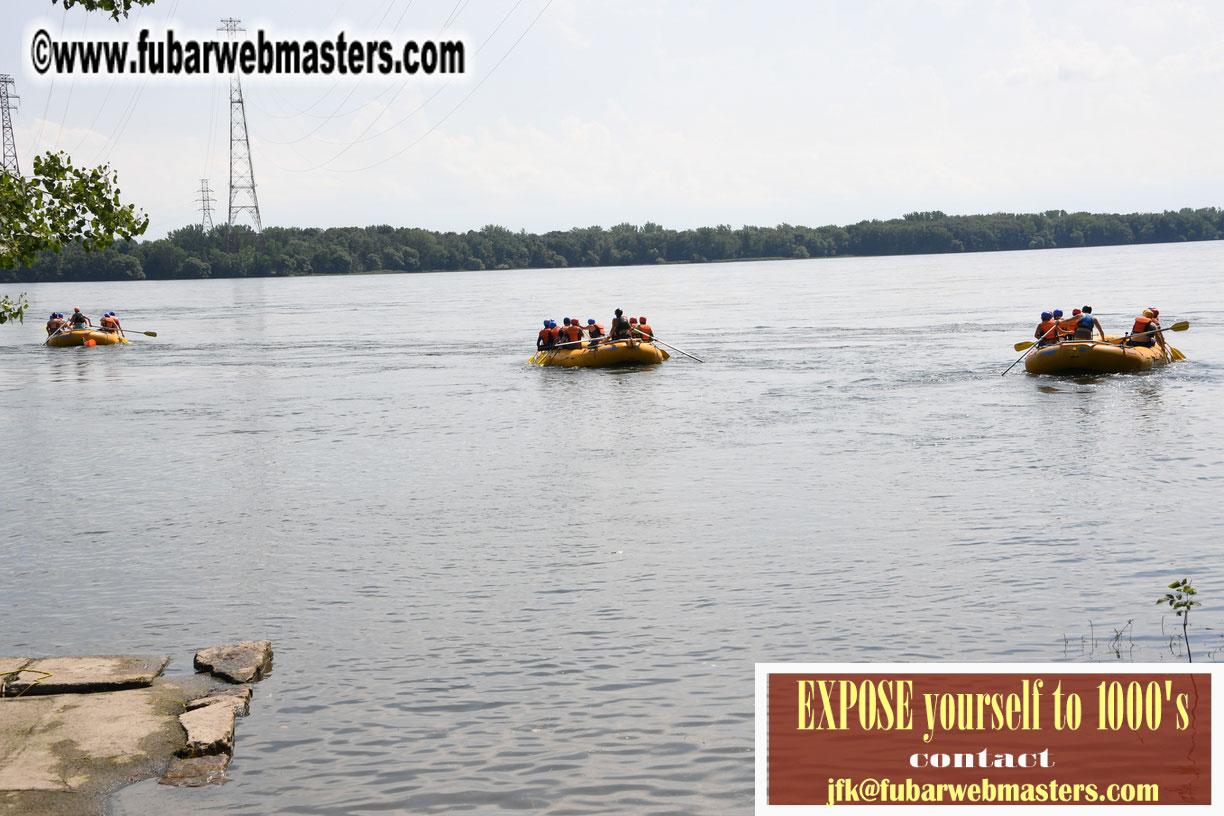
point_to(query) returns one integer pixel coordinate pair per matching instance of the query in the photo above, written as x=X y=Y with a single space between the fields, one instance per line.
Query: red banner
x=988 y=738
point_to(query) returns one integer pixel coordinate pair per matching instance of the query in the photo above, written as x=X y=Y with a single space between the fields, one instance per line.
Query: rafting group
x=78 y=330
x=628 y=341
x=1067 y=345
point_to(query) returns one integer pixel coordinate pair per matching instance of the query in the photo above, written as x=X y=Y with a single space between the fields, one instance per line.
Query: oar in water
x=1028 y=347
x=654 y=339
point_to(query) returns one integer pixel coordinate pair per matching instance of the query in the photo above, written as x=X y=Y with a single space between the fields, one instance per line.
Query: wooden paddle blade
x=666 y=356
x=1182 y=326
x=1177 y=355
x=1023 y=346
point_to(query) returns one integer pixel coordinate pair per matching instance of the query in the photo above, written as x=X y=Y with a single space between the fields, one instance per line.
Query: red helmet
x=641 y=320
x=1155 y=312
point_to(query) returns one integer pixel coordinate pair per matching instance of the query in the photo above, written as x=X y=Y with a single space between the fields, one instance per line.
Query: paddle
x=54 y=333
x=1028 y=348
x=133 y=331
x=654 y=339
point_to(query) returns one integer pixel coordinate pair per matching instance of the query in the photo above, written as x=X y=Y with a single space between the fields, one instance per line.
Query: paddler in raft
x=644 y=330
x=78 y=319
x=110 y=323
x=1045 y=331
x=1146 y=322
x=55 y=323
x=545 y=340
x=595 y=331
x=620 y=328
x=571 y=334
x=1085 y=323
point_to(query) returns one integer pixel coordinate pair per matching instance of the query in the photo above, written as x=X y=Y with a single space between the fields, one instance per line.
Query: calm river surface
x=492 y=587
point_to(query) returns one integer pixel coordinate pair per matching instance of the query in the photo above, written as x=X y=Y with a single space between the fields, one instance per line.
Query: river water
x=493 y=587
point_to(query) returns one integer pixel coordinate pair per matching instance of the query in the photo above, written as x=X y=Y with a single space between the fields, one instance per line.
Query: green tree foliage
x=191 y=252
x=61 y=204
x=116 y=8
x=11 y=309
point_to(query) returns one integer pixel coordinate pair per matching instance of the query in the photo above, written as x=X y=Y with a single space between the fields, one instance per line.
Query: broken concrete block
x=210 y=730
x=238 y=663
x=239 y=698
x=83 y=675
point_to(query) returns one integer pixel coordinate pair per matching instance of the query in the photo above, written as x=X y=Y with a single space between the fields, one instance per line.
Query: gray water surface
x=493 y=587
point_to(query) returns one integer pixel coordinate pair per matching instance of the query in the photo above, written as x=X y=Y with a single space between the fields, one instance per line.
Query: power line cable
x=439 y=123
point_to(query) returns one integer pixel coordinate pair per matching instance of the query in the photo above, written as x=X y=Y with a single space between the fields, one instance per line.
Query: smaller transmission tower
x=10 y=164
x=206 y=202
x=242 y=174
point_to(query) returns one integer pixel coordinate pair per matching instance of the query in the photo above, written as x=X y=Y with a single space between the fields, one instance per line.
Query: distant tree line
x=192 y=253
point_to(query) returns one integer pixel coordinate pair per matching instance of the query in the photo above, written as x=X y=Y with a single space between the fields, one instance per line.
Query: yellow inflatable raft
x=605 y=355
x=81 y=337
x=1094 y=357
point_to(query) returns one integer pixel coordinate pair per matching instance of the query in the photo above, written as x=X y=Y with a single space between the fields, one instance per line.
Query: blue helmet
x=590 y=321
x=1046 y=315
x=1058 y=312
x=552 y=324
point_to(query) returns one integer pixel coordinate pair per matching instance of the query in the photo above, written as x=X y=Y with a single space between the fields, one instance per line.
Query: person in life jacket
x=78 y=319
x=54 y=323
x=1086 y=323
x=1145 y=323
x=545 y=339
x=110 y=322
x=1045 y=330
x=644 y=329
x=594 y=331
x=620 y=327
x=572 y=334
x=633 y=327
x=1065 y=326
x=554 y=332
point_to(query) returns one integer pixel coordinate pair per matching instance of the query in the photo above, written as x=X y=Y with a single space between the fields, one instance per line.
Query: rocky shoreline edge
x=75 y=729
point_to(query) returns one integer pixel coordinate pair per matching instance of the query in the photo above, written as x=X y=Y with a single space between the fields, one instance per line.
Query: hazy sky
x=685 y=113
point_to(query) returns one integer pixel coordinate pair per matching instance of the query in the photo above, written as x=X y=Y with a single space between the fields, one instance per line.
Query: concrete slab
x=81 y=675
x=210 y=730
x=61 y=754
x=238 y=697
x=239 y=662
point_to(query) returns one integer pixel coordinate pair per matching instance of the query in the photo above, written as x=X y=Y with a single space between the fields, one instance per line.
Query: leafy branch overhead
x=62 y=204
x=117 y=8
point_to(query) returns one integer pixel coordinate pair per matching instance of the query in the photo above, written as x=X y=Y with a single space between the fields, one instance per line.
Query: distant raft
x=1094 y=357
x=604 y=355
x=80 y=337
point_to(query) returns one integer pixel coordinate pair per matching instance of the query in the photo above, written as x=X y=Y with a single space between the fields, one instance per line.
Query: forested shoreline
x=285 y=251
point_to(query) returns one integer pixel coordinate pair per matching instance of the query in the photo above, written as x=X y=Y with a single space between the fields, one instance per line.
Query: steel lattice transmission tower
x=242 y=174
x=10 y=164
x=206 y=202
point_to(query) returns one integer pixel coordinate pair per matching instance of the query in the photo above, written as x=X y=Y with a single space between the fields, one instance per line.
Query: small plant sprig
x=1181 y=600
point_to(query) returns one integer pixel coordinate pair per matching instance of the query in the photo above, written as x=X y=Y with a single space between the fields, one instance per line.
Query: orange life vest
x=109 y=322
x=1066 y=326
x=1043 y=327
x=595 y=330
x=645 y=329
x=572 y=332
x=555 y=334
x=1142 y=324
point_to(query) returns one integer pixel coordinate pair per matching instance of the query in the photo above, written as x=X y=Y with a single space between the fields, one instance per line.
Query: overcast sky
x=685 y=113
